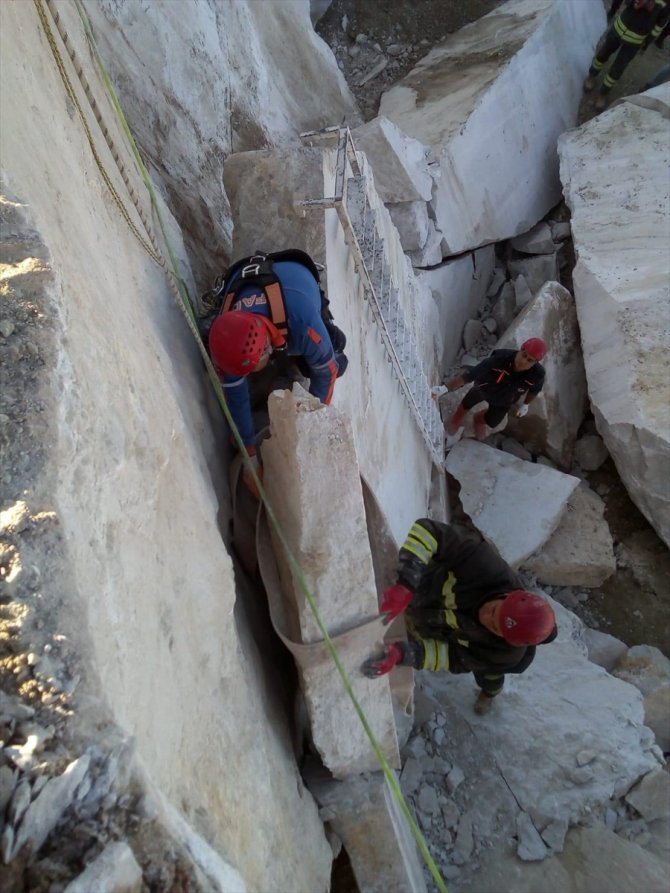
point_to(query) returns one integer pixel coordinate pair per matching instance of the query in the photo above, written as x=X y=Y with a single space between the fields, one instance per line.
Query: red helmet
x=525 y=618
x=238 y=340
x=535 y=347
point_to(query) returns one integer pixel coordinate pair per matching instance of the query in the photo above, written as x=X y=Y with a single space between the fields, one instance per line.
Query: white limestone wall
x=200 y=79
x=490 y=103
x=132 y=473
x=615 y=176
x=458 y=287
x=392 y=454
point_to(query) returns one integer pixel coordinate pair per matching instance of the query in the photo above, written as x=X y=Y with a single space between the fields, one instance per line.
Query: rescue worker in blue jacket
x=467 y=611
x=638 y=23
x=243 y=339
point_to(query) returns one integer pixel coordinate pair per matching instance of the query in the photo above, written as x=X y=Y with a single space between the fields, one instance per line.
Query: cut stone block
x=620 y=230
x=494 y=483
x=498 y=166
x=537 y=240
x=366 y=817
x=535 y=270
x=555 y=415
x=412 y=222
x=323 y=519
x=580 y=552
x=398 y=161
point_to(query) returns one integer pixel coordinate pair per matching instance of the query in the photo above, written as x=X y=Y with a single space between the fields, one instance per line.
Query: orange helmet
x=238 y=341
x=526 y=618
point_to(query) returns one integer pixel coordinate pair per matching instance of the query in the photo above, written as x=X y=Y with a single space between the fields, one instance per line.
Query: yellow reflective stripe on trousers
x=436 y=655
x=626 y=34
x=450 y=601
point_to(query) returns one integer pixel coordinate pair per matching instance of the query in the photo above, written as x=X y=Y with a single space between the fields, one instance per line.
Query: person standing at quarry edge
x=466 y=609
x=501 y=380
x=639 y=23
x=246 y=334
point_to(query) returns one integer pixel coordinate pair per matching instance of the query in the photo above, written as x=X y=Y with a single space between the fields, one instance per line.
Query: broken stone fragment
x=530 y=847
x=590 y=452
x=537 y=240
x=657 y=715
x=603 y=649
x=491 y=481
x=115 y=870
x=536 y=270
x=580 y=552
x=523 y=294
x=651 y=796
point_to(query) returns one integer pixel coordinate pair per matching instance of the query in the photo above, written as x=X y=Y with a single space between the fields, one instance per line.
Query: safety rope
x=184 y=305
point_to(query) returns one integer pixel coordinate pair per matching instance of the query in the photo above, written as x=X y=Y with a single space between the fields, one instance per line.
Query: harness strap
x=258 y=271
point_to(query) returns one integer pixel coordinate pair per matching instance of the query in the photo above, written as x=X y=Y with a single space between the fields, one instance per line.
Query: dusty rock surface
x=390 y=37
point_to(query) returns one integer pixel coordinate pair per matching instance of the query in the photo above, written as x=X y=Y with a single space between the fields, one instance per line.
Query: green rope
x=187 y=309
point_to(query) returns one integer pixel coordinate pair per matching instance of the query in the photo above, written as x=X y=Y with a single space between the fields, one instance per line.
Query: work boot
x=481 y=428
x=483 y=704
x=456 y=421
x=601 y=102
x=589 y=83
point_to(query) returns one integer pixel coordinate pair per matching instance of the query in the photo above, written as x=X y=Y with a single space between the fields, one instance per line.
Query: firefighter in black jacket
x=501 y=380
x=639 y=23
x=466 y=610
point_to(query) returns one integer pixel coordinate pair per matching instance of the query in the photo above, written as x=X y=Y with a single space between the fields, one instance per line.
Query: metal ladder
x=355 y=206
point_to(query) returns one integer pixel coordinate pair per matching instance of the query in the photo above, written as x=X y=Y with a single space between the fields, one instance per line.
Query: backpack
x=257 y=269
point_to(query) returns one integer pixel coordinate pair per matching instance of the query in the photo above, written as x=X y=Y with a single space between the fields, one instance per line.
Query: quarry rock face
x=490 y=103
x=128 y=439
x=192 y=98
x=494 y=483
x=555 y=415
x=621 y=279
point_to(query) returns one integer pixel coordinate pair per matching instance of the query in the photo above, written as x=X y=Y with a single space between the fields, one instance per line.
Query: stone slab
x=620 y=229
x=651 y=796
x=580 y=552
x=322 y=516
x=493 y=484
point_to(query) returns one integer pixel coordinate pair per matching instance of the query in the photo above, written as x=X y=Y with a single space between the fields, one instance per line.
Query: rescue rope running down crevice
x=184 y=303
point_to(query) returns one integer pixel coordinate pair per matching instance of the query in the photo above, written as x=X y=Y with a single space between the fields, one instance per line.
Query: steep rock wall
x=133 y=468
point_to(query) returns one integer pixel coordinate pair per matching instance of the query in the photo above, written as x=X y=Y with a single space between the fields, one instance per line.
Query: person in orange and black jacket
x=466 y=609
x=501 y=380
x=638 y=23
